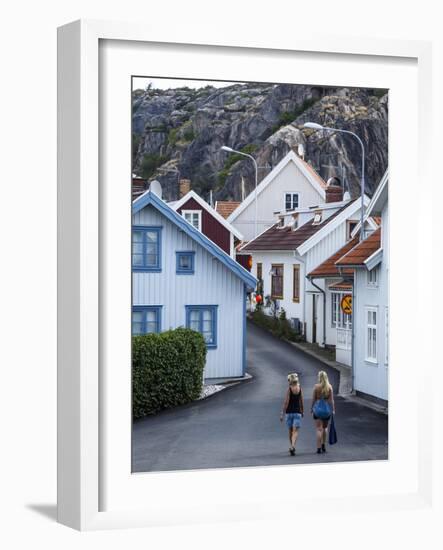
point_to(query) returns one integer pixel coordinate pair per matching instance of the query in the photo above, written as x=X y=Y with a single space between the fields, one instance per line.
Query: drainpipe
x=324 y=308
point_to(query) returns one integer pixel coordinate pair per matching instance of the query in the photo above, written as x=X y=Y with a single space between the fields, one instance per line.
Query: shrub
x=278 y=326
x=167 y=370
x=150 y=163
x=289 y=116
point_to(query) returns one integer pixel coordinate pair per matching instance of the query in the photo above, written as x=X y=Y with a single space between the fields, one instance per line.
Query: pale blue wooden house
x=182 y=278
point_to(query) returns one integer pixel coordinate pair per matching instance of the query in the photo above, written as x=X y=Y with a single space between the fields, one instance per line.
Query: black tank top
x=294 y=402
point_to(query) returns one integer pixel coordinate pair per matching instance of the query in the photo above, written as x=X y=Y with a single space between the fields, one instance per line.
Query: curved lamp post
x=230 y=150
x=315 y=126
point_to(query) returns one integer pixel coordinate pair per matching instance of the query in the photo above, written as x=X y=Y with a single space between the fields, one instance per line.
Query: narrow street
x=240 y=426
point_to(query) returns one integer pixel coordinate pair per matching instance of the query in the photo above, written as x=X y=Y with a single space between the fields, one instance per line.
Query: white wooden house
x=284 y=255
x=292 y=184
x=182 y=278
x=369 y=260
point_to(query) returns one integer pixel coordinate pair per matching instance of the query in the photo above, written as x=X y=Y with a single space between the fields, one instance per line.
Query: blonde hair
x=325 y=386
x=293 y=378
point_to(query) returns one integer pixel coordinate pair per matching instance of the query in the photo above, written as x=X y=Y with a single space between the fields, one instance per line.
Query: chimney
x=334 y=190
x=184 y=187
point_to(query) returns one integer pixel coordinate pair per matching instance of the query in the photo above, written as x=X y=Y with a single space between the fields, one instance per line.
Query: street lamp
x=230 y=150
x=315 y=126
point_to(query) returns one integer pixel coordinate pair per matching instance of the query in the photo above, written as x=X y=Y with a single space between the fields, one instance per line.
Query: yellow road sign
x=346 y=304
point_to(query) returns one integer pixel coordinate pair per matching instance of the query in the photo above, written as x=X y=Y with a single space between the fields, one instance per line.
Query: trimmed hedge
x=278 y=326
x=167 y=370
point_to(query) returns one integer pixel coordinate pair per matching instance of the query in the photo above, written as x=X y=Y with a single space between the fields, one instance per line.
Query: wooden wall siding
x=212 y=284
x=212 y=228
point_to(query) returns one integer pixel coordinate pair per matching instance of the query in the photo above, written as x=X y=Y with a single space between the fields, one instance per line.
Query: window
x=296 y=284
x=339 y=319
x=260 y=271
x=146 y=319
x=203 y=319
x=277 y=281
x=371 y=334
x=194 y=217
x=291 y=201
x=146 y=248
x=372 y=277
x=185 y=263
x=350 y=226
x=317 y=218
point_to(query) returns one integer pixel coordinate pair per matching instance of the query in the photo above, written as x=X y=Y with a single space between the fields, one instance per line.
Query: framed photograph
x=232 y=276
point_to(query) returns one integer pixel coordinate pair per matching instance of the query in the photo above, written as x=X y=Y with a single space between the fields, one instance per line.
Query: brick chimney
x=184 y=187
x=334 y=191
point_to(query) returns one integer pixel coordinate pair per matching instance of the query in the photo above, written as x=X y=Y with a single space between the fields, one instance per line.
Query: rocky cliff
x=178 y=133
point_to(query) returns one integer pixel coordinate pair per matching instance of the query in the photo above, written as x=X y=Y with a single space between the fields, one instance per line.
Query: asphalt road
x=240 y=426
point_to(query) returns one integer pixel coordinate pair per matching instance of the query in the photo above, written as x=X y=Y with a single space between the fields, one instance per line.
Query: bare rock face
x=179 y=133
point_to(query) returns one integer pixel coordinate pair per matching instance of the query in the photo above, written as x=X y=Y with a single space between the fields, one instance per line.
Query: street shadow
x=48 y=511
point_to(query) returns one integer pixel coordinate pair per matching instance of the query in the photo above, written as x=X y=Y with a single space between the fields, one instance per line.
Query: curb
x=345 y=379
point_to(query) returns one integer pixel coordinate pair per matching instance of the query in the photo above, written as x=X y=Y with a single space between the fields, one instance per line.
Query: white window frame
x=371 y=327
x=386 y=336
x=339 y=319
x=192 y=212
x=292 y=193
x=372 y=277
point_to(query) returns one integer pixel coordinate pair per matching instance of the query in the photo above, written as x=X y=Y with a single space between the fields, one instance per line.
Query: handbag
x=332 y=432
x=322 y=409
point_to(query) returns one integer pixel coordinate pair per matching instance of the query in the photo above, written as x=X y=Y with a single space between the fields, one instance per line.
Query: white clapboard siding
x=211 y=284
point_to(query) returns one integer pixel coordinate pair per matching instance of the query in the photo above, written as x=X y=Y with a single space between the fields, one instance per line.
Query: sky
x=165 y=83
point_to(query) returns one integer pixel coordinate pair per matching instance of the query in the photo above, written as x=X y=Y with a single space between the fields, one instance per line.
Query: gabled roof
x=310 y=174
x=358 y=256
x=379 y=197
x=286 y=238
x=343 y=214
x=152 y=199
x=329 y=269
x=225 y=208
x=193 y=195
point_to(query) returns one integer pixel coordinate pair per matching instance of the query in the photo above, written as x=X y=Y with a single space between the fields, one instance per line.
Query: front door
x=314 y=318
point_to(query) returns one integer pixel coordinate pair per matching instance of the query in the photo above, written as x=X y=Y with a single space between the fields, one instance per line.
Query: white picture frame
x=95 y=488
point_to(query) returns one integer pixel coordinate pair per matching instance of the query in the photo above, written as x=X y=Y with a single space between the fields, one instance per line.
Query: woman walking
x=293 y=408
x=322 y=407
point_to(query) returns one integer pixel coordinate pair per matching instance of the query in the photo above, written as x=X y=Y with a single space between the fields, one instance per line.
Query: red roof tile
x=362 y=251
x=329 y=269
x=286 y=238
x=225 y=208
x=341 y=285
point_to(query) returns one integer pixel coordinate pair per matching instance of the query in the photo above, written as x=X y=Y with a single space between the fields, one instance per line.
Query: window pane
x=194 y=319
x=294 y=200
x=137 y=260
x=151 y=260
x=151 y=236
x=137 y=324
x=184 y=261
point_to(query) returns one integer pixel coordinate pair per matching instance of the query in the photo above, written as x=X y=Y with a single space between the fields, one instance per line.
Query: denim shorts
x=293 y=420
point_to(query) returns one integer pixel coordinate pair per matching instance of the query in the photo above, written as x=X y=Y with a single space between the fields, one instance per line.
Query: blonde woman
x=322 y=407
x=293 y=409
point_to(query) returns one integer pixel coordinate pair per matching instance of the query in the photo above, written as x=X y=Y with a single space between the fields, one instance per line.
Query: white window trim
x=199 y=212
x=284 y=200
x=386 y=336
x=372 y=284
x=371 y=360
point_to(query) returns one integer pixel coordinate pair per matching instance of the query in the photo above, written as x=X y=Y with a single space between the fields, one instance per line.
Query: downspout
x=324 y=308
